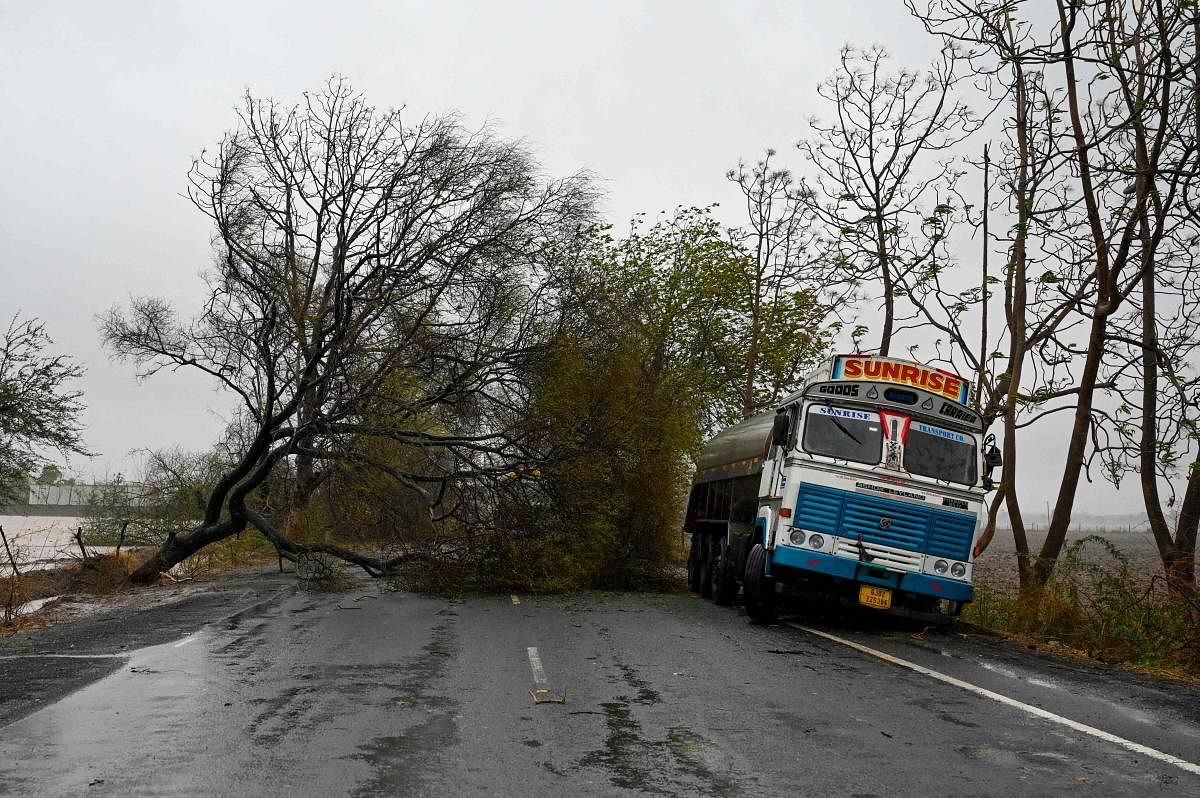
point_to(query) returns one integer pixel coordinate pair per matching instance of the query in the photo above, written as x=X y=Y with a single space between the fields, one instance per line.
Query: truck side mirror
x=781 y=429
x=992 y=459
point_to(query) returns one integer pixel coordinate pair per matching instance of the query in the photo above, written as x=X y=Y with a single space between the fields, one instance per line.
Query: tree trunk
x=889 y=287
x=1106 y=304
x=1181 y=566
x=748 y=407
x=175 y=549
x=1016 y=310
x=1064 y=505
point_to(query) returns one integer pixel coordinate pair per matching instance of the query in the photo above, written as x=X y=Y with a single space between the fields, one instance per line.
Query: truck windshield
x=840 y=432
x=940 y=453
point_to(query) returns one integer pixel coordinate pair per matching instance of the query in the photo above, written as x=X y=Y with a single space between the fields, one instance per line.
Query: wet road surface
x=372 y=693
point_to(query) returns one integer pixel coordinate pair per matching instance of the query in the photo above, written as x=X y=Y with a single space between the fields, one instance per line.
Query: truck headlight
x=958 y=569
x=940 y=566
x=816 y=542
x=797 y=537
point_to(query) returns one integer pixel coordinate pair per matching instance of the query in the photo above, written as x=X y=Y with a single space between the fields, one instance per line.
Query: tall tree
x=784 y=293
x=650 y=359
x=1114 y=83
x=353 y=248
x=1033 y=178
x=1128 y=131
x=1152 y=346
x=874 y=177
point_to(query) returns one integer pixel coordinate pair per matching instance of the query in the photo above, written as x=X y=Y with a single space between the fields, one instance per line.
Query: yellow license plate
x=879 y=598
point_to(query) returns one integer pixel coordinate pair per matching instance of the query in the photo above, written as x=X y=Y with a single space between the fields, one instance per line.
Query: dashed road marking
x=515 y=600
x=1138 y=748
x=185 y=640
x=535 y=665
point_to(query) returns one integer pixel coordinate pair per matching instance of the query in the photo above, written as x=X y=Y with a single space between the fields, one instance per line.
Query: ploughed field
x=997 y=567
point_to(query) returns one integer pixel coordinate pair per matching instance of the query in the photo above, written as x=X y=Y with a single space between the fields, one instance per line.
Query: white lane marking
x=65 y=656
x=186 y=640
x=1137 y=748
x=535 y=665
x=515 y=600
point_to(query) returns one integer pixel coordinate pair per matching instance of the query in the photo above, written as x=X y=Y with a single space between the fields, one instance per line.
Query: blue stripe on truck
x=910 y=526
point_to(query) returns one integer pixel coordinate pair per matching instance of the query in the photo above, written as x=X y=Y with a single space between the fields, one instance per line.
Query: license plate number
x=879 y=598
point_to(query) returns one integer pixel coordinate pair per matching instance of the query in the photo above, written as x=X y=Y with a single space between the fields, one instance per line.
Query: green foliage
x=674 y=295
x=651 y=361
x=1095 y=605
x=363 y=506
x=607 y=515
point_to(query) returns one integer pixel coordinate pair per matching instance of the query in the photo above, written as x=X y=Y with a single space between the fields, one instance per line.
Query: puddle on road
x=940 y=708
x=681 y=763
x=398 y=761
x=1050 y=761
x=646 y=695
x=233 y=687
x=156 y=687
x=30 y=607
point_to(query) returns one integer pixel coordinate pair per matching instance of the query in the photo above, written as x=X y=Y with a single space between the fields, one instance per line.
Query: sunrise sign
x=881 y=369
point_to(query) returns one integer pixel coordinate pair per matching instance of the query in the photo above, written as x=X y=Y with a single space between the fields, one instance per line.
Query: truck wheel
x=759 y=588
x=724 y=585
x=706 y=567
x=693 y=564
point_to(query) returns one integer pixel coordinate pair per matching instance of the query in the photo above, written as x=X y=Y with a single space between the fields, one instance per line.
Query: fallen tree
x=373 y=280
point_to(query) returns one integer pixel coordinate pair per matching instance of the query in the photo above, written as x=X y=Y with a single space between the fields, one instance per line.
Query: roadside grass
x=1095 y=606
x=107 y=573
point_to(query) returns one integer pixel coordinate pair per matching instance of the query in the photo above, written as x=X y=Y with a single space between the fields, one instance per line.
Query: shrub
x=1095 y=605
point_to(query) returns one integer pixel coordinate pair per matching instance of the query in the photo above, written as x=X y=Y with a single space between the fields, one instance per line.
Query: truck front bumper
x=934 y=587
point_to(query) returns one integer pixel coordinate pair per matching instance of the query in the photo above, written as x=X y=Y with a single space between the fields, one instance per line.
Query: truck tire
x=724 y=583
x=706 y=566
x=759 y=589
x=693 y=564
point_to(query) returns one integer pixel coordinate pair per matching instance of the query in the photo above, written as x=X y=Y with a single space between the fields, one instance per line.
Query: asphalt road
x=371 y=693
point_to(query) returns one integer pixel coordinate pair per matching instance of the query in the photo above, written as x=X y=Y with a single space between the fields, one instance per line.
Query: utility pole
x=984 y=358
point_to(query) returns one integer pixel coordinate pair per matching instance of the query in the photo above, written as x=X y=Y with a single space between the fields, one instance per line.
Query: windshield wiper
x=842 y=426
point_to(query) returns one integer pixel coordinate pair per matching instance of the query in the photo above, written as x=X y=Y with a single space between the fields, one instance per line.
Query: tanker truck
x=865 y=488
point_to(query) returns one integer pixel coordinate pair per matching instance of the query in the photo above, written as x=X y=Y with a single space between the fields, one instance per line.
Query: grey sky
x=103 y=105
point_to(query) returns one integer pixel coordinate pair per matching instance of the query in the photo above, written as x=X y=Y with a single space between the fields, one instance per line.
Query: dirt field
x=998 y=565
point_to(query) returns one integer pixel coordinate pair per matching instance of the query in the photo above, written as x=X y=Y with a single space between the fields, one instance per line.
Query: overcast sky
x=103 y=106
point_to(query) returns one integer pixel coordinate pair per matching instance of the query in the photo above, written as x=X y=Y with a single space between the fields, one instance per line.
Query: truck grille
x=910 y=527
x=902 y=560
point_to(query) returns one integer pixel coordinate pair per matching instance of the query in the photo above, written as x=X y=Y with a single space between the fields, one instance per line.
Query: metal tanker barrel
x=737 y=451
x=723 y=503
